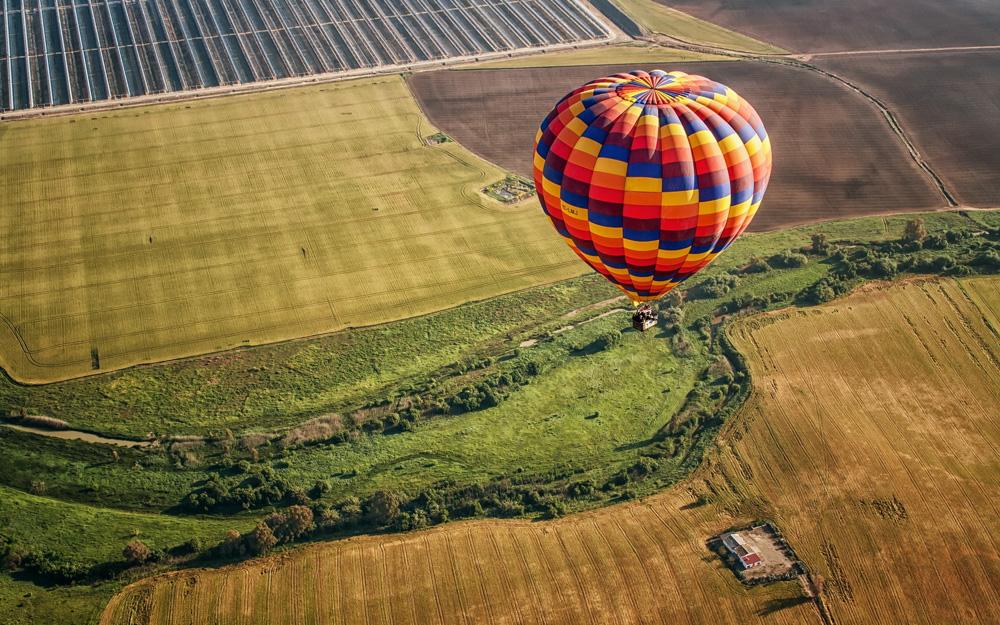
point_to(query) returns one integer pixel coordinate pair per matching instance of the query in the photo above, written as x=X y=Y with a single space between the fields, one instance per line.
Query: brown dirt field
x=836 y=25
x=834 y=154
x=947 y=102
x=870 y=439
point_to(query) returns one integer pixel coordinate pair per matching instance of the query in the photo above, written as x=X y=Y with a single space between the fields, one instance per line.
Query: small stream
x=76 y=435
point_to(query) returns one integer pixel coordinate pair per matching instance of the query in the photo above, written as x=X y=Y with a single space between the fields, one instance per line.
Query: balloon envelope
x=648 y=176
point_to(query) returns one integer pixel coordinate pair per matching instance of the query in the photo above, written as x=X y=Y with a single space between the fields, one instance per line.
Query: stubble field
x=155 y=233
x=872 y=439
x=835 y=156
x=869 y=439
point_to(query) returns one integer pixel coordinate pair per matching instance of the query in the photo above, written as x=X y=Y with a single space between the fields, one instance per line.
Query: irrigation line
x=118 y=47
x=155 y=45
x=100 y=56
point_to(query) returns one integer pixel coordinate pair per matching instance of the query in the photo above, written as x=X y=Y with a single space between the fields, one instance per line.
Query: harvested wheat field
x=641 y=563
x=870 y=439
x=873 y=439
x=834 y=154
x=165 y=231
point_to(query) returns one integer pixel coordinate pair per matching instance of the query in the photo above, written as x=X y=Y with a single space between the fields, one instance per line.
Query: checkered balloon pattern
x=648 y=176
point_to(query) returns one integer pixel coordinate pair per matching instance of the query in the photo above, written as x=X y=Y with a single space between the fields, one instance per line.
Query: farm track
x=869 y=439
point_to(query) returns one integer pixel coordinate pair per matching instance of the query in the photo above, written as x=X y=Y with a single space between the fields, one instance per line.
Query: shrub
x=291 y=524
x=509 y=508
x=350 y=507
x=608 y=340
x=935 y=242
x=54 y=568
x=193 y=545
x=261 y=540
x=716 y=286
x=320 y=488
x=644 y=466
x=756 y=265
x=942 y=262
x=789 y=260
x=820 y=245
x=915 y=231
x=555 y=509
x=989 y=258
x=382 y=507
x=136 y=552
x=955 y=236
x=671 y=317
x=581 y=489
x=818 y=293
x=680 y=346
x=884 y=268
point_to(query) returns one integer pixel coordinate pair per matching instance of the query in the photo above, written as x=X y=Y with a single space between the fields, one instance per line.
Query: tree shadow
x=777 y=605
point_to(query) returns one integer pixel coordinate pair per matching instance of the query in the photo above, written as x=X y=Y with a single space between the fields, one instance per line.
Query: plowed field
x=834 y=154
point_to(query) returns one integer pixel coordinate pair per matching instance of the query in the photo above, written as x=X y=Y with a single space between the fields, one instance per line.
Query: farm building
x=743 y=550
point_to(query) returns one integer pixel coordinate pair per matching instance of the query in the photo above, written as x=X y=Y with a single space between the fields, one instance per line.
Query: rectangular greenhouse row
x=68 y=51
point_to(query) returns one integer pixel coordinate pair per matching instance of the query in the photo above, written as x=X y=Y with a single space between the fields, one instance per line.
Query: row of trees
x=959 y=255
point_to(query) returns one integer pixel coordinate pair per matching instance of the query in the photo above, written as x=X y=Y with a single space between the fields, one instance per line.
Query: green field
x=660 y=18
x=86 y=535
x=167 y=231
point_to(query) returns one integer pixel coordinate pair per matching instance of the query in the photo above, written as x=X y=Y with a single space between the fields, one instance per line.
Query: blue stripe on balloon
x=617 y=152
x=645 y=170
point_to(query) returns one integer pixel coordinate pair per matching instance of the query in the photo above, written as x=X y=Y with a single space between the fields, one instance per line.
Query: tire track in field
x=617 y=567
x=541 y=615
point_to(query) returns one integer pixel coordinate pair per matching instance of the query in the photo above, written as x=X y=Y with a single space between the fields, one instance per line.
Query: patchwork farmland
x=869 y=438
x=495 y=113
x=70 y=51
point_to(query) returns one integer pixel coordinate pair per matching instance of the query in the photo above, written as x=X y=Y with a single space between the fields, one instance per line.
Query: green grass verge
x=90 y=534
x=24 y=603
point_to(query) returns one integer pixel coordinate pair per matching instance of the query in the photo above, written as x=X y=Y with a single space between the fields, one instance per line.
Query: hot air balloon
x=648 y=176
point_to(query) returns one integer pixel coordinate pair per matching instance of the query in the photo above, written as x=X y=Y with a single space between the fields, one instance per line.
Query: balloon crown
x=655 y=89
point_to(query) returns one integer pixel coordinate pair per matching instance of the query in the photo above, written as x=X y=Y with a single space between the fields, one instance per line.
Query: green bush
x=608 y=340
x=789 y=260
